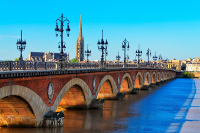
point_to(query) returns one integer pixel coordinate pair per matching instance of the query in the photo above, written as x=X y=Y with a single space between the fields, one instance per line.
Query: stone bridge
x=27 y=96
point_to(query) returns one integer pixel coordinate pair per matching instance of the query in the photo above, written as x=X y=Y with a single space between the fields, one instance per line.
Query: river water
x=172 y=107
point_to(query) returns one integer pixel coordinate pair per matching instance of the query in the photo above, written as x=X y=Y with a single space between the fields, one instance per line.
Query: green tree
x=188 y=75
x=74 y=60
x=16 y=59
x=7 y=60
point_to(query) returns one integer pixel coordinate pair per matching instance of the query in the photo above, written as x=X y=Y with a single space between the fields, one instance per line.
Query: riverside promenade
x=188 y=117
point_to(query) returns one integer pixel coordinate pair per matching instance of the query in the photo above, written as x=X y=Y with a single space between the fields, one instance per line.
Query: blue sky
x=171 y=28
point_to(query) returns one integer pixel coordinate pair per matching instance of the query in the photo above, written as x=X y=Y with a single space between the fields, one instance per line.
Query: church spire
x=80 y=28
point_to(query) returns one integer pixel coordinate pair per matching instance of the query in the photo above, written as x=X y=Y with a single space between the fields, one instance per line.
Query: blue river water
x=166 y=108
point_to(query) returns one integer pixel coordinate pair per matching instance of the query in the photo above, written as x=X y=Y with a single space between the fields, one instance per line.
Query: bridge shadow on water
x=149 y=111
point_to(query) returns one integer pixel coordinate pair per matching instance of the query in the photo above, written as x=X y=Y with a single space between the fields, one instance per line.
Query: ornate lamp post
x=148 y=54
x=62 y=46
x=135 y=59
x=155 y=57
x=124 y=43
x=118 y=57
x=88 y=53
x=160 y=58
x=102 y=46
x=138 y=54
x=106 y=54
x=21 y=45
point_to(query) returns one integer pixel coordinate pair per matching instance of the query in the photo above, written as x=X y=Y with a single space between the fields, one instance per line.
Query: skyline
x=171 y=29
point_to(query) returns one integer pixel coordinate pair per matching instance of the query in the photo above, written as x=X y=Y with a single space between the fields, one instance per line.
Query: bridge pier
x=96 y=104
x=134 y=91
x=53 y=119
x=158 y=83
x=145 y=87
x=153 y=85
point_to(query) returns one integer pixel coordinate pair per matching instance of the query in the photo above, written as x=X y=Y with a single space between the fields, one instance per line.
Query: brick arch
x=168 y=77
x=153 y=78
x=138 y=80
x=163 y=76
x=75 y=81
x=172 y=75
x=158 y=77
x=147 y=79
x=130 y=83
x=37 y=105
x=111 y=81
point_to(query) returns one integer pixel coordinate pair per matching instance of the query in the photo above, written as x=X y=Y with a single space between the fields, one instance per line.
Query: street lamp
x=102 y=46
x=118 y=57
x=61 y=45
x=148 y=54
x=155 y=57
x=135 y=59
x=160 y=58
x=106 y=54
x=88 y=53
x=138 y=53
x=21 y=45
x=124 y=48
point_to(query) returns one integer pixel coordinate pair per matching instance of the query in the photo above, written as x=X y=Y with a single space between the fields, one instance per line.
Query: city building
x=46 y=56
x=174 y=64
x=80 y=44
x=193 y=67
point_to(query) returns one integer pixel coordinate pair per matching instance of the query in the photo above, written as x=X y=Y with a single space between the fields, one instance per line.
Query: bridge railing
x=26 y=65
x=31 y=65
x=81 y=65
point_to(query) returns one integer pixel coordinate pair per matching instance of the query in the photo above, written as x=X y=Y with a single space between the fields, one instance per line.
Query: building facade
x=46 y=56
x=193 y=67
x=80 y=44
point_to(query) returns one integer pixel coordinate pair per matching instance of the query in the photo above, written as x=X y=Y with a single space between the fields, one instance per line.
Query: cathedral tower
x=80 y=44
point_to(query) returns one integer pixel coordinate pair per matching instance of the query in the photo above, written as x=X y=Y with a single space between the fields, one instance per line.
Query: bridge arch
x=168 y=75
x=138 y=80
x=147 y=80
x=107 y=88
x=79 y=87
x=165 y=75
x=34 y=101
x=158 y=77
x=126 y=83
x=153 y=78
x=172 y=75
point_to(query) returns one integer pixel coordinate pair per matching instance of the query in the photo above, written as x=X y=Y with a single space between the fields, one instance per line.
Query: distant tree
x=8 y=60
x=74 y=60
x=188 y=75
x=16 y=59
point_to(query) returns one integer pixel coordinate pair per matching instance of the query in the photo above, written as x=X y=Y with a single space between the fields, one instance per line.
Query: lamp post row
x=102 y=45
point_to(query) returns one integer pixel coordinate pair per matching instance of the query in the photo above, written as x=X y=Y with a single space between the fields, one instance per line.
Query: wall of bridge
x=34 y=89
